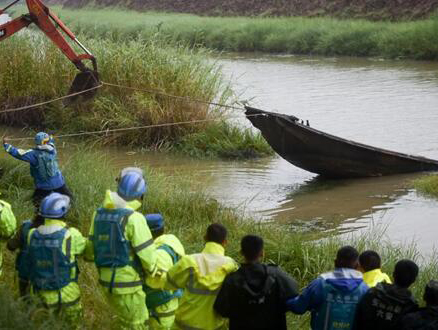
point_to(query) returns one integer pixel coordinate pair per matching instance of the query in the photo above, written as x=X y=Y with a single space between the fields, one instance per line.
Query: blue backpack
x=50 y=268
x=339 y=308
x=47 y=165
x=154 y=297
x=111 y=248
x=22 y=262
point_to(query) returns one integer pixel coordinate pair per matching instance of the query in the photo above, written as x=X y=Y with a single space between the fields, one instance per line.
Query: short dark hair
x=405 y=273
x=346 y=257
x=251 y=247
x=431 y=293
x=216 y=233
x=370 y=260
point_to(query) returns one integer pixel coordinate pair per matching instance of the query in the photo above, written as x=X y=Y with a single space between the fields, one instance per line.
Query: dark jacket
x=424 y=319
x=254 y=297
x=382 y=307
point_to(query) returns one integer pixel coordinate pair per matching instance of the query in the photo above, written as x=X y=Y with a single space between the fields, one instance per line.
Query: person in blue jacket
x=332 y=298
x=44 y=166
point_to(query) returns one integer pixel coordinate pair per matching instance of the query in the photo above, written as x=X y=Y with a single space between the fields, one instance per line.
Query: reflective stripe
x=191 y=286
x=120 y=284
x=68 y=248
x=188 y=327
x=164 y=314
x=143 y=246
x=67 y=304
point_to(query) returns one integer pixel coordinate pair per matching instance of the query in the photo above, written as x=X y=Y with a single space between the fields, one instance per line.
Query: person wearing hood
x=122 y=247
x=382 y=306
x=44 y=168
x=425 y=318
x=333 y=297
x=200 y=276
x=162 y=304
x=254 y=297
x=51 y=259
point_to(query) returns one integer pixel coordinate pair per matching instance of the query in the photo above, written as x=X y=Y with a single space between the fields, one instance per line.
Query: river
x=389 y=104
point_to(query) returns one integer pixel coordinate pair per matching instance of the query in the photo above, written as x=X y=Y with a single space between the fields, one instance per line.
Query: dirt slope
x=373 y=9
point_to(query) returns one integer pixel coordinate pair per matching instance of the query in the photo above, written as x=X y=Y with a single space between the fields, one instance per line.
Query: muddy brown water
x=389 y=104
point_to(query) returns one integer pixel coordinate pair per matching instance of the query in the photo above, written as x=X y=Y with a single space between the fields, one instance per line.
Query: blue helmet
x=155 y=221
x=55 y=206
x=42 y=138
x=132 y=184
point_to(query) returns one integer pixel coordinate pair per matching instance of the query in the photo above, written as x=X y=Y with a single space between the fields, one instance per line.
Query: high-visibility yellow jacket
x=73 y=245
x=201 y=276
x=8 y=225
x=164 y=260
x=165 y=312
x=373 y=277
x=127 y=279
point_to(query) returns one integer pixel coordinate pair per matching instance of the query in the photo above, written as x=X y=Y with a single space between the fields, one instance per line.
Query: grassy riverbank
x=428 y=185
x=188 y=211
x=294 y=35
x=37 y=71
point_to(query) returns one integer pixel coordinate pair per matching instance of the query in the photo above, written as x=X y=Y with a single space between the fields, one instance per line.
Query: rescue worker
x=333 y=297
x=8 y=225
x=160 y=303
x=369 y=265
x=52 y=266
x=254 y=297
x=201 y=276
x=19 y=241
x=123 y=249
x=382 y=307
x=44 y=167
x=425 y=318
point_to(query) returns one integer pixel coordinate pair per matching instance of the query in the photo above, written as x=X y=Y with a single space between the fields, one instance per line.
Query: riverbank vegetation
x=428 y=185
x=35 y=71
x=188 y=211
x=293 y=35
x=370 y=9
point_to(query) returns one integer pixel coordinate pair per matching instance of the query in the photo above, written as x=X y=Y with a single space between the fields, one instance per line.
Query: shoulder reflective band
x=143 y=246
x=191 y=288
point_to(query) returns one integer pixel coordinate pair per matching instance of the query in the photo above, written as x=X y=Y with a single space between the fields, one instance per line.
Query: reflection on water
x=383 y=103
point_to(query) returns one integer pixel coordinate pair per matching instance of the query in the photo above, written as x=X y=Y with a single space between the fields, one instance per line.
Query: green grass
x=188 y=211
x=295 y=35
x=428 y=185
x=37 y=71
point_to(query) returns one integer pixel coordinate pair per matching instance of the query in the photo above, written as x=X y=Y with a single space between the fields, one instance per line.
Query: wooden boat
x=328 y=155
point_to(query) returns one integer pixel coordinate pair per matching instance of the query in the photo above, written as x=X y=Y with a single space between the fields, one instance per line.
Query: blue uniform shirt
x=46 y=176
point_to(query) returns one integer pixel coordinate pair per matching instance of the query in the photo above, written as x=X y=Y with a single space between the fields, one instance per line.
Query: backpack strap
x=170 y=251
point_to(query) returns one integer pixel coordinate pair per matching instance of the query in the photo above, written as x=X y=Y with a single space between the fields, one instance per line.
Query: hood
x=344 y=279
x=256 y=279
x=391 y=292
x=172 y=241
x=114 y=201
x=46 y=147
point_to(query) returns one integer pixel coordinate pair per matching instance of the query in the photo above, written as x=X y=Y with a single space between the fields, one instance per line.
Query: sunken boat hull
x=329 y=155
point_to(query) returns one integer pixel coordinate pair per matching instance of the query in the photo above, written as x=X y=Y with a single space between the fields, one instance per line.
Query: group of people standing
x=149 y=281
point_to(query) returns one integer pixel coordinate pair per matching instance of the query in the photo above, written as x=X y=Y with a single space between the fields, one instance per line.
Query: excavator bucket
x=84 y=81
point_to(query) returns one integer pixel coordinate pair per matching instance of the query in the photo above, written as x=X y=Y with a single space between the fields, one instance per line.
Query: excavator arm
x=51 y=25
